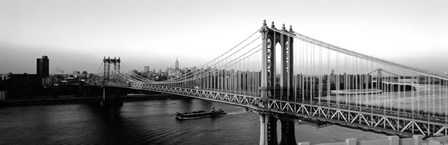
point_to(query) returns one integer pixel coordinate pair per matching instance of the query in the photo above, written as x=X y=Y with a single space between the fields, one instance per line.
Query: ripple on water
x=145 y=122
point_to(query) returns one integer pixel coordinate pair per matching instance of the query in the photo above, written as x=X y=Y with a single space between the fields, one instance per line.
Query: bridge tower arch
x=270 y=88
x=270 y=39
x=107 y=98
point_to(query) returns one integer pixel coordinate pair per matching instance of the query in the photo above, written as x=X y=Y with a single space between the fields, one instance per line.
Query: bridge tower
x=110 y=98
x=270 y=89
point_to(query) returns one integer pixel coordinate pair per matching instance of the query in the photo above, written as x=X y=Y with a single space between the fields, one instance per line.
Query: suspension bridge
x=284 y=75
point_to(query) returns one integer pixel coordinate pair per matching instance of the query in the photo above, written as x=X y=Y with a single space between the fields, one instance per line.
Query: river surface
x=148 y=122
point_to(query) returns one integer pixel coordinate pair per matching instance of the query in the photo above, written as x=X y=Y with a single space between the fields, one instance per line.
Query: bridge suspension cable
x=228 y=59
x=328 y=81
x=223 y=59
x=344 y=79
x=225 y=65
x=356 y=54
x=216 y=61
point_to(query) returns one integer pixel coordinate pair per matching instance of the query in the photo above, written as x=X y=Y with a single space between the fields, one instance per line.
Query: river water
x=147 y=122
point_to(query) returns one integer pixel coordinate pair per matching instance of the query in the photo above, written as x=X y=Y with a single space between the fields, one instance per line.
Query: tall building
x=176 y=65
x=43 y=67
x=146 y=69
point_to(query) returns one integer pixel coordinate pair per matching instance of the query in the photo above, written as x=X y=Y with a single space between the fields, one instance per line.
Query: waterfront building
x=21 y=86
x=43 y=67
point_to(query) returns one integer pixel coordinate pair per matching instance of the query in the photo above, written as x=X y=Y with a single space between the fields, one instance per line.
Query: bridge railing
x=323 y=75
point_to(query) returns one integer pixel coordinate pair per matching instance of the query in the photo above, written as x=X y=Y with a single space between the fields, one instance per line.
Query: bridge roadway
x=389 y=121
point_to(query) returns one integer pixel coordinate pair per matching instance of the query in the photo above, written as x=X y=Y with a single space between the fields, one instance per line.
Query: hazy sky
x=76 y=34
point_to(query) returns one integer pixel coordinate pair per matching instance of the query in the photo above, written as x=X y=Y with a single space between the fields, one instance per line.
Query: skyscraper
x=43 y=67
x=146 y=69
x=176 y=65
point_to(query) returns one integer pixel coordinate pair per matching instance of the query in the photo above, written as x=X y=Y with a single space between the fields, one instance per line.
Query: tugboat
x=200 y=114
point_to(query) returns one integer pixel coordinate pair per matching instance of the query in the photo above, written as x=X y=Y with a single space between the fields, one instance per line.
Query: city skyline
x=77 y=35
x=224 y=72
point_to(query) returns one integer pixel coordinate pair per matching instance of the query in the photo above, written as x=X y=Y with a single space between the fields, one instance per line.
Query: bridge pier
x=288 y=135
x=273 y=87
x=263 y=129
x=112 y=101
x=111 y=98
x=268 y=129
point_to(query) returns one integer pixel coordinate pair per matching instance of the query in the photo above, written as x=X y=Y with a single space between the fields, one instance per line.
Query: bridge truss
x=286 y=72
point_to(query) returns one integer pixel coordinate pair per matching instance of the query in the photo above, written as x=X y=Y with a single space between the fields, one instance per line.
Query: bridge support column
x=268 y=129
x=288 y=136
x=111 y=98
x=112 y=101
x=273 y=89
x=263 y=129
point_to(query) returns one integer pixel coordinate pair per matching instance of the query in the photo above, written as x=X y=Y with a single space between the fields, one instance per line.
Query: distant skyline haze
x=76 y=35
